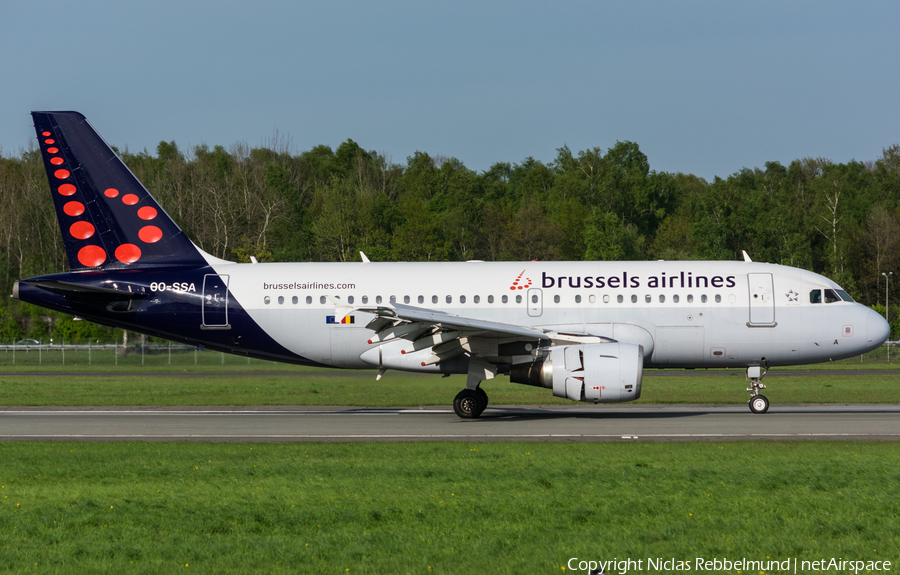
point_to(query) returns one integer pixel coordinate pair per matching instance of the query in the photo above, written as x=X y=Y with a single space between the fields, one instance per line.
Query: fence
x=173 y=354
x=133 y=355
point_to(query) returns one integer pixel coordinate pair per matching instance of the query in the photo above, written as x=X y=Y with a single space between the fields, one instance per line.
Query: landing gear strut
x=758 y=403
x=470 y=403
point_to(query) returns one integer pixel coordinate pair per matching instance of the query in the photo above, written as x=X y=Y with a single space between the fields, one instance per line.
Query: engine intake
x=602 y=373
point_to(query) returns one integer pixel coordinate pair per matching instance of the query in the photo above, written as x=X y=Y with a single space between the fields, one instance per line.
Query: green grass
x=400 y=389
x=438 y=508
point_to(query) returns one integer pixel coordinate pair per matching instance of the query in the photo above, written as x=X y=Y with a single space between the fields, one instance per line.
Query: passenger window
x=476 y=299
x=462 y=299
x=703 y=298
x=504 y=299
x=349 y=299
x=434 y=299
x=280 y=300
x=308 y=299
x=378 y=299
x=634 y=299
x=815 y=296
x=647 y=298
x=406 y=299
x=421 y=299
x=322 y=299
x=578 y=299
x=831 y=297
x=662 y=299
x=619 y=299
x=365 y=299
x=675 y=298
x=267 y=300
x=393 y=299
x=718 y=298
x=518 y=299
x=690 y=298
x=449 y=299
x=555 y=299
x=534 y=298
x=490 y=299
x=294 y=300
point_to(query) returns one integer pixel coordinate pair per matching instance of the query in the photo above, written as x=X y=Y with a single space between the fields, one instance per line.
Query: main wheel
x=759 y=404
x=468 y=404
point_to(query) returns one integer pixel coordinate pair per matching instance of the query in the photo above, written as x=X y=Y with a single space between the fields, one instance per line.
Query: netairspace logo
x=724 y=564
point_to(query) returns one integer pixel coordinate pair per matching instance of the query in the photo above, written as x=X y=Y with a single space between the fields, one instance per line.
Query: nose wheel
x=470 y=403
x=759 y=404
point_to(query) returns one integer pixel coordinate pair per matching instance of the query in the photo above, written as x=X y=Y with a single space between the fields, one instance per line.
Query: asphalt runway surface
x=369 y=373
x=578 y=423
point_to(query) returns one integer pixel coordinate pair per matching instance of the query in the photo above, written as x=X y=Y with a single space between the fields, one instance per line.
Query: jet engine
x=602 y=373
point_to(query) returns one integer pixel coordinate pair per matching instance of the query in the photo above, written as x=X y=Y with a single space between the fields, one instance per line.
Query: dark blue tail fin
x=107 y=218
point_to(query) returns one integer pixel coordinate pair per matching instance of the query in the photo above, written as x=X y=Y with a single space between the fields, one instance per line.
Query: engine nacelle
x=602 y=373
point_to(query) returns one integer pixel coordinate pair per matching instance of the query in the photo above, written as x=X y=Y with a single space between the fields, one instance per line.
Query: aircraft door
x=534 y=301
x=214 y=309
x=762 y=300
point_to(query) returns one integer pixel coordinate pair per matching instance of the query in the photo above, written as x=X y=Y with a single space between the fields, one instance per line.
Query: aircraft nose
x=877 y=329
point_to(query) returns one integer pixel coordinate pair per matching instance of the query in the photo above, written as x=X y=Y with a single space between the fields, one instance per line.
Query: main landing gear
x=470 y=403
x=758 y=403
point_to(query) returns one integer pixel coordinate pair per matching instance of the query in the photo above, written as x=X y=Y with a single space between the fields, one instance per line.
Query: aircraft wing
x=407 y=314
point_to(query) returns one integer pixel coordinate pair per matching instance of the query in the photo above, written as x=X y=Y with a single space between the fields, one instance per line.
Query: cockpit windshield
x=830 y=296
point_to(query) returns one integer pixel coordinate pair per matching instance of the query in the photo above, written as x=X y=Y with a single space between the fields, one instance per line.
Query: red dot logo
x=73 y=208
x=91 y=256
x=67 y=189
x=147 y=213
x=128 y=253
x=52 y=150
x=45 y=134
x=129 y=199
x=81 y=230
x=61 y=174
x=57 y=161
x=150 y=234
x=111 y=193
x=49 y=141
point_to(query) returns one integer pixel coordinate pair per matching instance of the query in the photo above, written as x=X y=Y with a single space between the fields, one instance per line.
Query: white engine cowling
x=602 y=373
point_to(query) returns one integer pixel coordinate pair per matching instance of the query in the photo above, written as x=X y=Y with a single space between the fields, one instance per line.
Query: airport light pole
x=887 y=279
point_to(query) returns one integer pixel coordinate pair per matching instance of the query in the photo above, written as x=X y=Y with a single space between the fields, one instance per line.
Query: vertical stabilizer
x=107 y=218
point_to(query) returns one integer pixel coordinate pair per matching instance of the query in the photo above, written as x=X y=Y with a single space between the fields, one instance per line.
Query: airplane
x=584 y=330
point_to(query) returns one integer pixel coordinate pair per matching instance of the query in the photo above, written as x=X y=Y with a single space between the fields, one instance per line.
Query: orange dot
x=129 y=199
x=45 y=133
x=67 y=189
x=150 y=234
x=61 y=174
x=56 y=161
x=73 y=208
x=52 y=150
x=147 y=213
x=128 y=253
x=91 y=256
x=49 y=141
x=82 y=230
x=111 y=193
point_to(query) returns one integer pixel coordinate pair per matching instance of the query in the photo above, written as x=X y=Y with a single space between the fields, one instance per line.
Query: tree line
x=324 y=204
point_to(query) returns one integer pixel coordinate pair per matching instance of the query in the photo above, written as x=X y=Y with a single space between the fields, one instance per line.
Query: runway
x=499 y=423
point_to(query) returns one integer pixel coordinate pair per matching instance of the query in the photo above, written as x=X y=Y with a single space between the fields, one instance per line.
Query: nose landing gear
x=758 y=403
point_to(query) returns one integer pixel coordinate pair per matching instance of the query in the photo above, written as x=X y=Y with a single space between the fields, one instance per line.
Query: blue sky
x=703 y=87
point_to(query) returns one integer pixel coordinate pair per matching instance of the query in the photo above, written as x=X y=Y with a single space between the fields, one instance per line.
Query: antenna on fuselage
x=746 y=257
x=364 y=258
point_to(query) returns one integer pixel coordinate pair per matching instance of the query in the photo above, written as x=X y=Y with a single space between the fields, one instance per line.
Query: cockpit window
x=815 y=296
x=844 y=295
x=830 y=296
